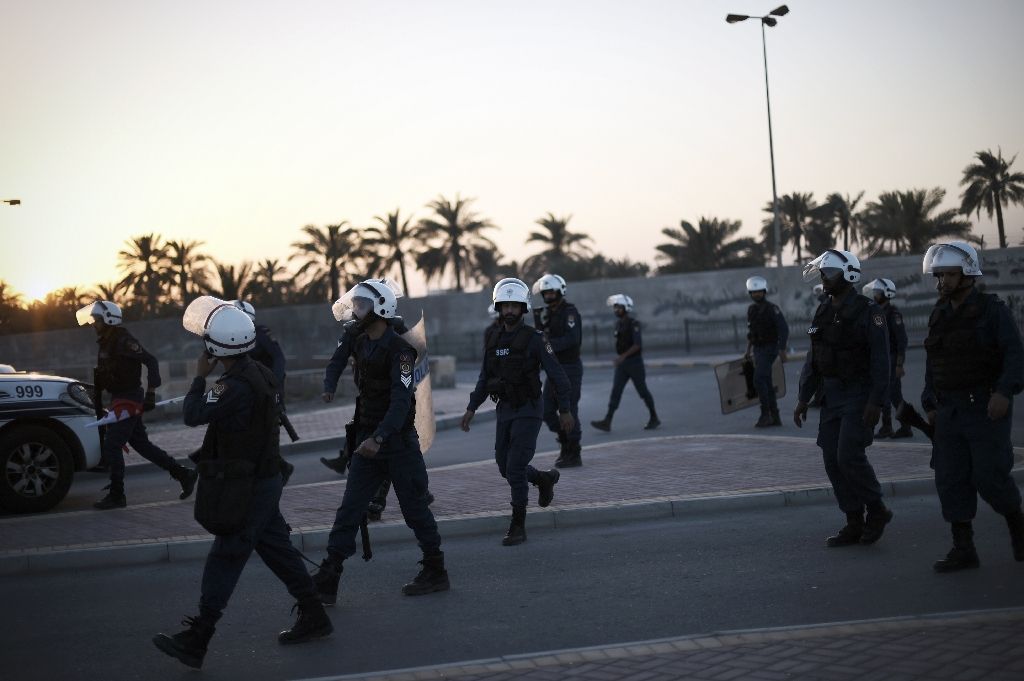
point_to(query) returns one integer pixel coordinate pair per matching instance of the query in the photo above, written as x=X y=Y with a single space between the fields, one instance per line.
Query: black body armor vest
x=373 y=377
x=261 y=441
x=624 y=335
x=511 y=376
x=839 y=343
x=555 y=324
x=118 y=374
x=761 y=327
x=961 y=354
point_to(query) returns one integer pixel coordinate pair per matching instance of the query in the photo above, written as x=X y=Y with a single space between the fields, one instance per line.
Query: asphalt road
x=687 y=401
x=563 y=588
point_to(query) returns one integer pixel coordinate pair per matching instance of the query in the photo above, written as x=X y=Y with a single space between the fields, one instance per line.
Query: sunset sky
x=239 y=122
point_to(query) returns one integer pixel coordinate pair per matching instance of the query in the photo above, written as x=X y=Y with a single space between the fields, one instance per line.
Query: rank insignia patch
x=878 y=320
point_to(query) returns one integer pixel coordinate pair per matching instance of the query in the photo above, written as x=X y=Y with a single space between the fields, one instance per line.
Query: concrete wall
x=706 y=308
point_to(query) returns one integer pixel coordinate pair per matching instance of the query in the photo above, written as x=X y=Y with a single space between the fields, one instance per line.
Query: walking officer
x=266 y=351
x=882 y=291
x=240 y=483
x=119 y=372
x=388 y=445
x=514 y=354
x=562 y=326
x=629 y=364
x=767 y=335
x=974 y=367
x=850 y=352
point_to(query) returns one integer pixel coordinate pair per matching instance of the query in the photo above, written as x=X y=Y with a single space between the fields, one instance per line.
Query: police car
x=43 y=438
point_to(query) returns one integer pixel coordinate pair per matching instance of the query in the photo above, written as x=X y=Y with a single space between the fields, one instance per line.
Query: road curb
x=495 y=522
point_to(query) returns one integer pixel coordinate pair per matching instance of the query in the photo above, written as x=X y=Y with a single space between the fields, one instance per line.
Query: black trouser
x=131 y=431
x=630 y=369
x=574 y=370
x=515 y=442
x=843 y=439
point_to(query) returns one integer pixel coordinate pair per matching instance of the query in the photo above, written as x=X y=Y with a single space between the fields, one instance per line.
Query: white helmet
x=757 y=284
x=834 y=259
x=886 y=286
x=491 y=312
x=383 y=294
x=953 y=254
x=246 y=307
x=620 y=299
x=103 y=310
x=819 y=289
x=550 y=282
x=510 y=290
x=226 y=330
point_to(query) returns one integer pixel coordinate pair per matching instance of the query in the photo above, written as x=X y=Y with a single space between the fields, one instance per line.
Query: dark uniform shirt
x=403 y=386
x=539 y=354
x=897 y=334
x=999 y=326
x=117 y=347
x=565 y=321
x=873 y=321
x=627 y=334
x=339 y=360
x=268 y=353
x=228 y=403
x=779 y=321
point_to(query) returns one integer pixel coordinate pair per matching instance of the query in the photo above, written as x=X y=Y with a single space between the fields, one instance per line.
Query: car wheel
x=37 y=469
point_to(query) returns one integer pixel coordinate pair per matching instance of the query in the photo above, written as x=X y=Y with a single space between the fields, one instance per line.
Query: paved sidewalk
x=614 y=476
x=957 y=646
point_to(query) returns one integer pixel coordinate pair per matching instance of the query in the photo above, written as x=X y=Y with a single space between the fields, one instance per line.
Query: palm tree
x=840 y=212
x=269 y=284
x=707 y=247
x=232 y=283
x=795 y=210
x=391 y=240
x=184 y=259
x=8 y=297
x=562 y=247
x=327 y=250
x=902 y=222
x=143 y=263
x=991 y=185
x=109 y=291
x=450 y=239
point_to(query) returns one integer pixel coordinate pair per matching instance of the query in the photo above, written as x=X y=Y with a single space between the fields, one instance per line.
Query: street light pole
x=12 y=202
x=768 y=20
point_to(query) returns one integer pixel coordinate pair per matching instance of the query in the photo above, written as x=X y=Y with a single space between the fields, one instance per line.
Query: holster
x=224 y=494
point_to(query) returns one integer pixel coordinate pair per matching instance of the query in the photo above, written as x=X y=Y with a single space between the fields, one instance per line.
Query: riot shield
x=733 y=388
x=425 y=427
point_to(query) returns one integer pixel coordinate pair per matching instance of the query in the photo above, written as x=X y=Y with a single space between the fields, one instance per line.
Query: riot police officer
x=767 y=335
x=629 y=364
x=266 y=351
x=882 y=291
x=513 y=356
x=119 y=372
x=388 y=443
x=240 y=484
x=850 y=352
x=974 y=367
x=562 y=326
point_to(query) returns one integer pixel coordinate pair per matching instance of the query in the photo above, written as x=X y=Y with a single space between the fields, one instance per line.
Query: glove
x=149 y=403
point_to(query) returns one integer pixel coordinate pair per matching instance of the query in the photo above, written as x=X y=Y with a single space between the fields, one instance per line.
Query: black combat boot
x=776 y=420
x=115 y=497
x=886 y=430
x=963 y=555
x=326 y=579
x=604 y=424
x=188 y=646
x=850 y=533
x=432 y=576
x=903 y=431
x=562 y=444
x=312 y=623
x=186 y=477
x=765 y=419
x=337 y=464
x=1015 y=521
x=653 y=421
x=517 y=528
x=572 y=456
x=874 y=524
x=545 y=484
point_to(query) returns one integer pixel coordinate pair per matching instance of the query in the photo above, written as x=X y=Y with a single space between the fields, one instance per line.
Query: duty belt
x=977 y=395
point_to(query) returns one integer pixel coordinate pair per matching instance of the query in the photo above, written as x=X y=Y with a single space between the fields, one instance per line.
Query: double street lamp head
x=12 y=202
x=768 y=20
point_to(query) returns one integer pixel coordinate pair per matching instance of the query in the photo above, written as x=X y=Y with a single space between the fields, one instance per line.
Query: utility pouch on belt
x=223 y=494
x=496 y=388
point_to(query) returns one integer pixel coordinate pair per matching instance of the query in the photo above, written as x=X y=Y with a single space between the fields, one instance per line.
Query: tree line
x=453 y=244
